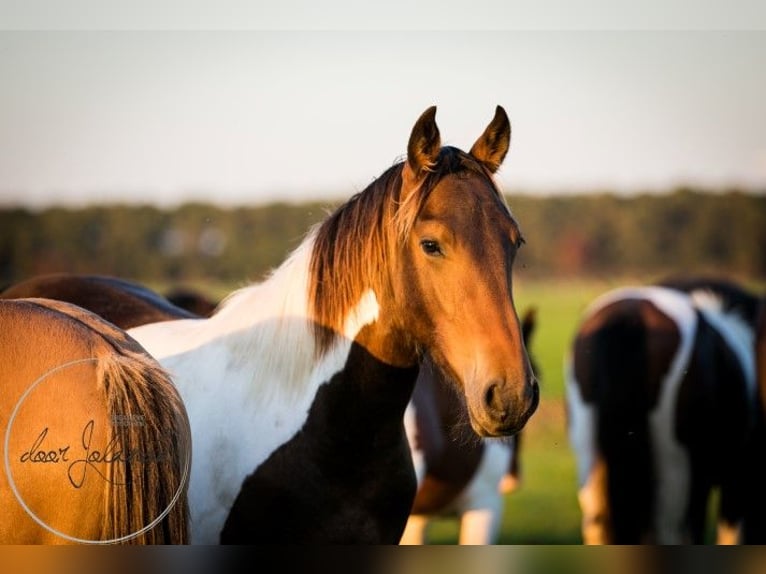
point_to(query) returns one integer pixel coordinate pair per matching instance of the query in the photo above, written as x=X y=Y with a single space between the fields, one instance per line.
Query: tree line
x=589 y=235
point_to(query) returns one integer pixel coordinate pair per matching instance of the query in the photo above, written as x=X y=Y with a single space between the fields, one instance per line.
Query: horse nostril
x=493 y=401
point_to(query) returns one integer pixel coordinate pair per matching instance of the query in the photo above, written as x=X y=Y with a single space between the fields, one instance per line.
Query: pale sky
x=250 y=116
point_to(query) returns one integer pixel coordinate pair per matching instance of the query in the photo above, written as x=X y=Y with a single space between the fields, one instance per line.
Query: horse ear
x=491 y=147
x=424 y=145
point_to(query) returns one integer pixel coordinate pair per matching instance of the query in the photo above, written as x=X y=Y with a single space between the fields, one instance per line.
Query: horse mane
x=351 y=244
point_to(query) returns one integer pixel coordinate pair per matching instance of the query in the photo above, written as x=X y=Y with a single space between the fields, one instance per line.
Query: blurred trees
x=596 y=235
x=605 y=235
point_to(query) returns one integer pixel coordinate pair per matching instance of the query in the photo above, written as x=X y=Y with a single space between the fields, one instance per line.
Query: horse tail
x=622 y=397
x=146 y=500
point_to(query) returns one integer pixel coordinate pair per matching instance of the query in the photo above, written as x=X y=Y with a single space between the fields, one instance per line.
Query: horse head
x=458 y=241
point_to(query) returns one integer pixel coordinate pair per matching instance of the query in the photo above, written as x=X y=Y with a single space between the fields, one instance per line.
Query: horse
x=95 y=435
x=296 y=385
x=191 y=300
x=122 y=302
x=661 y=408
x=459 y=475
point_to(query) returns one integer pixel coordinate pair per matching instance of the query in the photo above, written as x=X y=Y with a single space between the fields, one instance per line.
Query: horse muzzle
x=498 y=411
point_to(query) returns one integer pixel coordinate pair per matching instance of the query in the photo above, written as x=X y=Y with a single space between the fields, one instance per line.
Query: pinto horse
x=459 y=474
x=95 y=436
x=296 y=386
x=661 y=401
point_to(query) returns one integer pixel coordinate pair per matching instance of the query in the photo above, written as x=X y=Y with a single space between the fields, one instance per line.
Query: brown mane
x=363 y=232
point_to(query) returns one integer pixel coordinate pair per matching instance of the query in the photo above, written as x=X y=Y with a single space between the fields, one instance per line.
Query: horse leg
x=480 y=526
x=511 y=480
x=594 y=505
x=591 y=469
x=415 y=531
x=727 y=533
x=674 y=484
x=482 y=503
x=418 y=455
x=734 y=498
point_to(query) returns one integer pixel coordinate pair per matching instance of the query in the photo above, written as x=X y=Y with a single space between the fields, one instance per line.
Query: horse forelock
x=451 y=161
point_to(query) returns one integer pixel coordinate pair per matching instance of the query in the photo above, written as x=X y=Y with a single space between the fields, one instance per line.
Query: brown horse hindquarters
x=33 y=345
x=96 y=433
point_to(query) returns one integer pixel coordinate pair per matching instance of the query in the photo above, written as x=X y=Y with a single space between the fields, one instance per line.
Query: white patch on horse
x=672 y=465
x=248 y=376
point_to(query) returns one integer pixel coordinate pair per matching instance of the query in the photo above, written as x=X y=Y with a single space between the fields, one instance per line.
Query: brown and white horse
x=95 y=436
x=296 y=387
x=460 y=475
x=661 y=400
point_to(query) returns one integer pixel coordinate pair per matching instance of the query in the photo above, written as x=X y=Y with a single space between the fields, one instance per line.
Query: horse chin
x=489 y=429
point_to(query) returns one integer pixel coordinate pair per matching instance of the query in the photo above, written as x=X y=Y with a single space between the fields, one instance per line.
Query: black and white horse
x=662 y=409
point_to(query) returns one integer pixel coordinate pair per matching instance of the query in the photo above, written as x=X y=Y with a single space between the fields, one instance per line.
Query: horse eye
x=431 y=247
